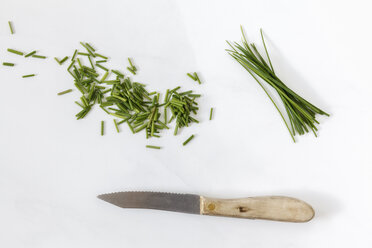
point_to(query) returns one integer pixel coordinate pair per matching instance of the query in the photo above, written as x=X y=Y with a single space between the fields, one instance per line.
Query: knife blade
x=278 y=208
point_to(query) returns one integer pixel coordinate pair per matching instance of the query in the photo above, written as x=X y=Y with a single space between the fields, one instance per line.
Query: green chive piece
x=11 y=27
x=188 y=140
x=90 y=47
x=84 y=54
x=102 y=128
x=102 y=67
x=101 y=56
x=131 y=65
x=73 y=56
x=210 y=114
x=191 y=76
x=104 y=76
x=29 y=75
x=56 y=59
x=118 y=73
x=39 y=56
x=101 y=61
x=15 y=51
x=30 y=54
x=197 y=77
x=64 y=92
x=131 y=70
x=8 y=64
x=153 y=147
x=63 y=60
x=116 y=126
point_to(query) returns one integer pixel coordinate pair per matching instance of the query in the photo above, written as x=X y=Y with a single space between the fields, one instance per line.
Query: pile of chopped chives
x=128 y=101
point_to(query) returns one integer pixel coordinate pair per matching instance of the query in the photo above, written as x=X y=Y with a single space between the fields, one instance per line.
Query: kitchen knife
x=278 y=208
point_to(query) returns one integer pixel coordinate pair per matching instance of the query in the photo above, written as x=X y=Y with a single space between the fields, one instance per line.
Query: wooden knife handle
x=279 y=208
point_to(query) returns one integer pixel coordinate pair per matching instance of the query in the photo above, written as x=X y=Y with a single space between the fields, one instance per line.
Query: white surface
x=52 y=166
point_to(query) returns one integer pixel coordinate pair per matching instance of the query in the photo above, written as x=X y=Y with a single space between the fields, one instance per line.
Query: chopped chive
x=153 y=147
x=8 y=64
x=188 y=140
x=104 y=76
x=73 y=56
x=191 y=76
x=56 y=59
x=15 y=51
x=130 y=127
x=211 y=113
x=116 y=126
x=197 y=77
x=29 y=75
x=91 y=63
x=101 y=61
x=78 y=60
x=90 y=47
x=79 y=104
x=131 y=70
x=64 y=92
x=11 y=27
x=131 y=65
x=39 y=56
x=117 y=73
x=84 y=54
x=101 y=56
x=72 y=63
x=30 y=54
x=63 y=60
x=102 y=67
x=102 y=127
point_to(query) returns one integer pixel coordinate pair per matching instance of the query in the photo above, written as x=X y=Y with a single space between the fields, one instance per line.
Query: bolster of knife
x=278 y=208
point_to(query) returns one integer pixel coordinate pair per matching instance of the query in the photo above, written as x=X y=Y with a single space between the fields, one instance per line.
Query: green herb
x=30 y=54
x=188 y=140
x=153 y=147
x=11 y=27
x=15 y=51
x=102 y=67
x=39 y=56
x=90 y=47
x=102 y=127
x=197 y=77
x=29 y=75
x=74 y=55
x=210 y=114
x=300 y=112
x=8 y=64
x=64 y=92
x=116 y=126
x=101 y=61
x=191 y=76
x=100 y=55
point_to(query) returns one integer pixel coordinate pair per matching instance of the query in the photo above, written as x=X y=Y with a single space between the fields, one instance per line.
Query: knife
x=278 y=208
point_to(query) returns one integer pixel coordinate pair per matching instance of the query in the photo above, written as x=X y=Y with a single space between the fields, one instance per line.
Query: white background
x=53 y=166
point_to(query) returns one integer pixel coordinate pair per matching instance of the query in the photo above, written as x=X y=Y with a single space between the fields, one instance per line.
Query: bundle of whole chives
x=300 y=112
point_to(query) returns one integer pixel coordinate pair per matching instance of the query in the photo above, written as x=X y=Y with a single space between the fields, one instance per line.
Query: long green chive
x=8 y=64
x=11 y=27
x=301 y=113
x=39 y=56
x=29 y=75
x=188 y=140
x=102 y=127
x=102 y=67
x=116 y=126
x=30 y=54
x=64 y=92
x=101 y=61
x=15 y=51
x=153 y=147
x=210 y=114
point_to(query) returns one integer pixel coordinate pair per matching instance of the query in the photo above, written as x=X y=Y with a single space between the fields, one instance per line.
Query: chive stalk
x=153 y=147
x=102 y=128
x=188 y=140
x=8 y=64
x=15 y=51
x=29 y=75
x=11 y=27
x=210 y=114
x=64 y=92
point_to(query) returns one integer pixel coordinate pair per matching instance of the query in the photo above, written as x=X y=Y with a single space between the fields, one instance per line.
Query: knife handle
x=279 y=208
